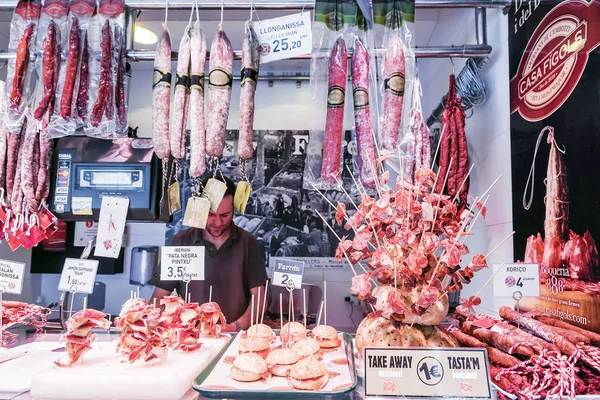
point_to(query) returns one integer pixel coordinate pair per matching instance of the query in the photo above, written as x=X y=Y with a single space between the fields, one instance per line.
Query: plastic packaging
x=103 y=66
x=65 y=119
x=21 y=76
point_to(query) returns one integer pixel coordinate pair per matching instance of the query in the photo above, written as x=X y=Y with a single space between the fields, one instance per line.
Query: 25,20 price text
x=284 y=45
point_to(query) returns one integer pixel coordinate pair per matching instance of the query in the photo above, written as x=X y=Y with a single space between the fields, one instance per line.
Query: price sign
x=288 y=272
x=511 y=278
x=284 y=37
x=78 y=275
x=426 y=372
x=11 y=276
x=179 y=262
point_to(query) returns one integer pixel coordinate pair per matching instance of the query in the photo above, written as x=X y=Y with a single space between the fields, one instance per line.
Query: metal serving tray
x=275 y=394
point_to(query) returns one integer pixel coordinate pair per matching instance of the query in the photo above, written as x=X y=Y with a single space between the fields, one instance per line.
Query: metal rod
x=464 y=51
x=9 y=5
x=481 y=26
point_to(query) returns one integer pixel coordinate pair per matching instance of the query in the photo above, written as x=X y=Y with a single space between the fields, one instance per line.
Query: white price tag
x=11 y=276
x=284 y=37
x=288 y=272
x=111 y=225
x=179 y=263
x=78 y=275
x=512 y=278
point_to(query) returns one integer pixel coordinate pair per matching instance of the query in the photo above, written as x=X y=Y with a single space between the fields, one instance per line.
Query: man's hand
x=229 y=328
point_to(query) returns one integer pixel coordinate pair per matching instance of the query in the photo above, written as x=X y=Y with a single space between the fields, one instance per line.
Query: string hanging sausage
x=66 y=101
x=105 y=84
x=250 y=65
x=161 y=95
x=393 y=97
x=82 y=93
x=178 y=122
x=22 y=60
x=49 y=71
x=197 y=129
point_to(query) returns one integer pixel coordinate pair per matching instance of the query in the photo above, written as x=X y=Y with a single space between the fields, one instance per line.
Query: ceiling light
x=144 y=36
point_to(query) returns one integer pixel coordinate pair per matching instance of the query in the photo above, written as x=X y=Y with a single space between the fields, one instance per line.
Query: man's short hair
x=230 y=184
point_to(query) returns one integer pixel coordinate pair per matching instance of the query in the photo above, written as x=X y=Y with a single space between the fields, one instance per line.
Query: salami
x=178 y=122
x=82 y=92
x=16 y=200
x=509 y=344
x=546 y=333
x=120 y=83
x=250 y=64
x=496 y=356
x=43 y=178
x=22 y=60
x=66 y=100
x=197 y=129
x=362 y=115
x=3 y=145
x=161 y=95
x=219 y=93
x=105 y=84
x=336 y=95
x=50 y=59
x=393 y=97
x=27 y=161
x=12 y=150
x=594 y=337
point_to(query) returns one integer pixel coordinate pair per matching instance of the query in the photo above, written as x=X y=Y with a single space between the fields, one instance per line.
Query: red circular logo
x=389 y=386
x=510 y=281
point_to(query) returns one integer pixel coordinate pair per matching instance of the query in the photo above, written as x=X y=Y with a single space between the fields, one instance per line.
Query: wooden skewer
x=258 y=306
x=85 y=303
x=189 y=297
x=281 y=312
x=479 y=212
x=346 y=193
x=325 y=300
x=264 y=302
x=304 y=306
x=340 y=239
x=489 y=280
x=499 y=244
x=154 y=302
x=320 y=313
x=433 y=191
x=131 y=295
x=210 y=294
x=292 y=301
x=138 y=292
x=491 y=186
x=252 y=313
x=438 y=147
x=463 y=183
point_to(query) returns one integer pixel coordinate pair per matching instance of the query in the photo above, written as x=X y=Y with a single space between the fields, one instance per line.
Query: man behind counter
x=233 y=265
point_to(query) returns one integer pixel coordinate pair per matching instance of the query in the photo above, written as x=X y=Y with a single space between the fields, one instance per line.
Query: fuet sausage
x=66 y=101
x=362 y=114
x=27 y=161
x=22 y=60
x=393 y=97
x=49 y=67
x=181 y=82
x=219 y=93
x=496 y=356
x=250 y=65
x=336 y=95
x=43 y=179
x=105 y=84
x=84 y=71
x=197 y=129
x=161 y=95
x=594 y=337
x=12 y=149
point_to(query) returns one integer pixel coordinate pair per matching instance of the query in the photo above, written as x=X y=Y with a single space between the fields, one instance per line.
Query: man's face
x=218 y=222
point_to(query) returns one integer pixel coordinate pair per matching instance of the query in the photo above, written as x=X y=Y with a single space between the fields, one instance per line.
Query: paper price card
x=78 y=275
x=11 y=276
x=182 y=263
x=512 y=278
x=284 y=37
x=425 y=372
x=288 y=273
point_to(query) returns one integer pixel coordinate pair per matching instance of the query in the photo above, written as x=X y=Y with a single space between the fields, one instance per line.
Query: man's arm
x=158 y=295
x=244 y=320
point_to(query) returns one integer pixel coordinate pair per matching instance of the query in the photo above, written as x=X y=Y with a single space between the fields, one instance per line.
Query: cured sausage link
x=594 y=337
x=336 y=95
x=66 y=101
x=105 y=77
x=43 y=179
x=362 y=114
x=496 y=356
x=161 y=95
x=501 y=342
x=49 y=67
x=21 y=62
x=197 y=129
x=393 y=97
x=219 y=94
x=181 y=82
x=120 y=84
x=27 y=159
x=250 y=65
x=82 y=93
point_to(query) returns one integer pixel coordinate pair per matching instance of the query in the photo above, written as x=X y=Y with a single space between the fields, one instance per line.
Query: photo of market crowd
x=280 y=213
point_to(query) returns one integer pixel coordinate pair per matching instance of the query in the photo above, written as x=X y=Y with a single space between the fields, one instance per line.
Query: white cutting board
x=102 y=375
x=16 y=374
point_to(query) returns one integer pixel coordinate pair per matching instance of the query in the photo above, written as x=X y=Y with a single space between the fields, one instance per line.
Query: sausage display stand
x=405 y=221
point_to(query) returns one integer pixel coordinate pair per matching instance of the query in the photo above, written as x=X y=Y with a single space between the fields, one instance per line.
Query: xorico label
x=555 y=58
